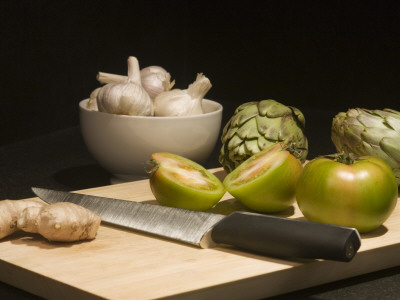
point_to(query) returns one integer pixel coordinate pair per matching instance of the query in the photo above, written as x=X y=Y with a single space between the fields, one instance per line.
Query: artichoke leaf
x=251 y=146
x=241 y=150
x=301 y=120
x=232 y=155
x=373 y=135
x=348 y=139
x=392 y=112
x=248 y=130
x=244 y=106
x=394 y=123
x=368 y=149
x=243 y=115
x=343 y=118
x=388 y=113
x=228 y=133
x=269 y=128
x=263 y=142
x=369 y=119
x=273 y=109
x=289 y=131
x=352 y=112
x=234 y=142
x=351 y=134
x=391 y=147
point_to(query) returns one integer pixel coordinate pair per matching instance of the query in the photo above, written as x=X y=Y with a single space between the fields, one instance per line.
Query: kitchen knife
x=258 y=233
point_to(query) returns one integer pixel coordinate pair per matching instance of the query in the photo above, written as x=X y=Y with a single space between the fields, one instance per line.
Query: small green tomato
x=266 y=182
x=179 y=182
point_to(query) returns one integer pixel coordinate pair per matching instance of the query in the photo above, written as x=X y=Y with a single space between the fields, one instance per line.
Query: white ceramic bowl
x=123 y=144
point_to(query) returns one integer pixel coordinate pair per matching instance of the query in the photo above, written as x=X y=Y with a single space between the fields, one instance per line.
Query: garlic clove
x=156 y=80
x=126 y=104
x=108 y=98
x=92 y=103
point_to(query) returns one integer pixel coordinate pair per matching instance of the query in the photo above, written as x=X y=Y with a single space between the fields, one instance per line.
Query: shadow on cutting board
x=83 y=177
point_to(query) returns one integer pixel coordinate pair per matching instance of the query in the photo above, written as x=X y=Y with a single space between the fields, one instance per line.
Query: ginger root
x=61 y=222
x=27 y=219
x=10 y=211
x=64 y=222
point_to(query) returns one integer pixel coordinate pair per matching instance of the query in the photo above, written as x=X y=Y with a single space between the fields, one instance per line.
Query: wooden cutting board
x=122 y=264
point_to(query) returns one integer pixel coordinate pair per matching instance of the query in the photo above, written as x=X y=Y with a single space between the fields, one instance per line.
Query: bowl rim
x=82 y=106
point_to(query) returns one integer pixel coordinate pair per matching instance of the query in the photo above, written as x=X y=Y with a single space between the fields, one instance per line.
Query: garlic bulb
x=126 y=98
x=92 y=103
x=156 y=80
x=187 y=102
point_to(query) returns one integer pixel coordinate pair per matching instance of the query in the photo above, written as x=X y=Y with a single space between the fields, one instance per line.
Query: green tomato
x=360 y=194
x=266 y=182
x=179 y=182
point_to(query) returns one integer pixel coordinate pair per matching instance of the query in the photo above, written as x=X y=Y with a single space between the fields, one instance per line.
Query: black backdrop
x=315 y=55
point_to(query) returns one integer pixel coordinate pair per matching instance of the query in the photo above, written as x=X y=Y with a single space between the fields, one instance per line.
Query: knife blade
x=263 y=234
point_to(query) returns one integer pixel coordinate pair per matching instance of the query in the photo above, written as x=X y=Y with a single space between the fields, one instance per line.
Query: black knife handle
x=288 y=238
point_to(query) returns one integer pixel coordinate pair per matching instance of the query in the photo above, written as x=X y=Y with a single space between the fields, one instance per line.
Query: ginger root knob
x=10 y=210
x=63 y=222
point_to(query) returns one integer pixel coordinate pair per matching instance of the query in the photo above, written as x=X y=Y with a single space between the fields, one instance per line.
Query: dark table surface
x=60 y=160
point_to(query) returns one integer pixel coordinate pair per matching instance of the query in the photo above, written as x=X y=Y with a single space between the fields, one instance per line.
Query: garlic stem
x=105 y=78
x=200 y=87
x=134 y=71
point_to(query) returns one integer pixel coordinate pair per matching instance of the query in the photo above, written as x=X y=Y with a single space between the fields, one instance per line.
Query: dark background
x=320 y=56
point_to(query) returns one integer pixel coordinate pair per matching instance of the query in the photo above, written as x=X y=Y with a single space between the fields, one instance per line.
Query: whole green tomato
x=354 y=192
x=180 y=182
x=266 y=181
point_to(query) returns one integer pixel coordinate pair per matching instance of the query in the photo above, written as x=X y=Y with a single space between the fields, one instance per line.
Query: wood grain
x=123 y=264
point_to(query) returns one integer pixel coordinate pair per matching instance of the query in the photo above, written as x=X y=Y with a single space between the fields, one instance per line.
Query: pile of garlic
x=147 y=92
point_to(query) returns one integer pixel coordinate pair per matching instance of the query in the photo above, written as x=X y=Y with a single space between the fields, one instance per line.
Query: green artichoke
x=369 y=132
x=255 y=126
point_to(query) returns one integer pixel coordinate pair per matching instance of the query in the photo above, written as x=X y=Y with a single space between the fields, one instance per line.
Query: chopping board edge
x=280 y=283
x=41 y=285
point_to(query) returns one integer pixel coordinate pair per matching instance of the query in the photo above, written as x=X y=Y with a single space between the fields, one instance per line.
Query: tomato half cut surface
x=180 y=182
x=266 y=182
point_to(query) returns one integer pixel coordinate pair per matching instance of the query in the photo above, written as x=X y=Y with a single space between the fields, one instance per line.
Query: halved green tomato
x=179 y=182
x=266 y=182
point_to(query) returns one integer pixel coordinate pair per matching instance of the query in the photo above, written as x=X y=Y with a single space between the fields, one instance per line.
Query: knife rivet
x=350 y=250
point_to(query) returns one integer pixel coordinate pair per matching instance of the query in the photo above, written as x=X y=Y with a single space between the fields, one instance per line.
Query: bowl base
x=118 y=180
